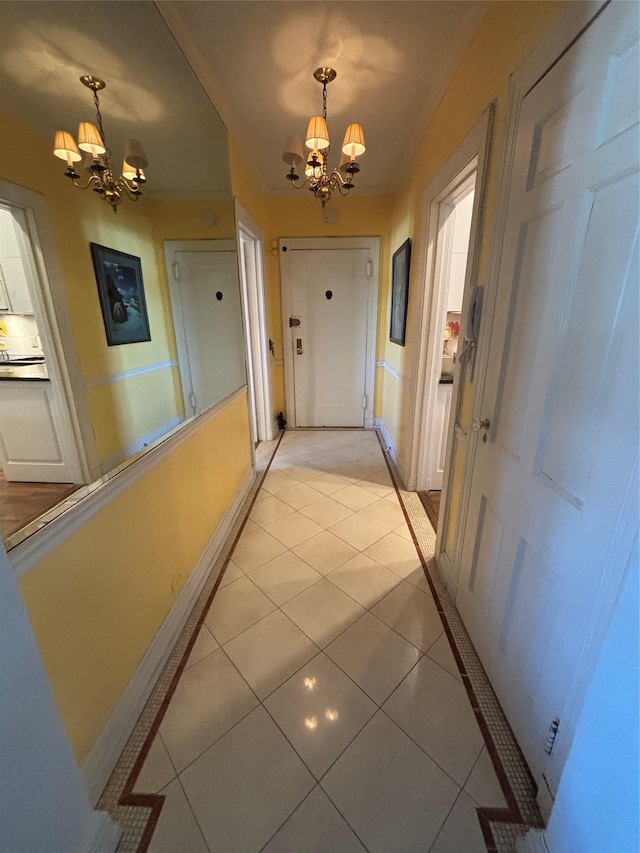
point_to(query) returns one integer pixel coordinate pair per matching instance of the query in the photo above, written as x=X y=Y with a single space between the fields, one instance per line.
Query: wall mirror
x=126 y=397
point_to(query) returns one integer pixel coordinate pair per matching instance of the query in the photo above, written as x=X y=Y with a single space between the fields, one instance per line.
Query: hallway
x=321 y=707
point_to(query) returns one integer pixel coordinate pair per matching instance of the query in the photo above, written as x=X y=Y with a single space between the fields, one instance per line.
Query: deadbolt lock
x=299 y=346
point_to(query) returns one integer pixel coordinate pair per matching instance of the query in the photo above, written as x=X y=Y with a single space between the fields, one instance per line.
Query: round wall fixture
x=329 y=294
x=219 y=296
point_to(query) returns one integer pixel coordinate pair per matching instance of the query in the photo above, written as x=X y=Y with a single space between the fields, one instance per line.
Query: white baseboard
x=391 y=449
x=532 y=842
x=99 y=764
x=105 y=836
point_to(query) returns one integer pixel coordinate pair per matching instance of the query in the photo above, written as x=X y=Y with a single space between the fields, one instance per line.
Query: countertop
x=24 y=372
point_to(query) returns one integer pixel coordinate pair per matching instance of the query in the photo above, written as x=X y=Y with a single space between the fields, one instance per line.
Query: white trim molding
x=99 y=764
x=127 y=374
x=390 y=369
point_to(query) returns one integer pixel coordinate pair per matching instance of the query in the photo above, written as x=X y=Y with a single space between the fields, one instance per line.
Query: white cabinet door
x=36 y=445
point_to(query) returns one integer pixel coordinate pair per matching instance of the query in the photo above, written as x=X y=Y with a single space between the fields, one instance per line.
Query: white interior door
x=208 y=321
x=330 y=297
x=551 y=508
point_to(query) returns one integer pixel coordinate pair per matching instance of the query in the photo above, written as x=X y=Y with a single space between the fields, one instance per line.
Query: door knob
x=481 y=424
x=299 y=346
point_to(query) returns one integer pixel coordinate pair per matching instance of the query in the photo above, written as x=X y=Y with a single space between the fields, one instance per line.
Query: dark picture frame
x=121 y=292
x=399 y=292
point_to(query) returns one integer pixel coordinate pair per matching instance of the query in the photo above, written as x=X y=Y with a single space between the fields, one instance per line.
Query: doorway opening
x=446 y=350
x=250 y=248
x=42 y=450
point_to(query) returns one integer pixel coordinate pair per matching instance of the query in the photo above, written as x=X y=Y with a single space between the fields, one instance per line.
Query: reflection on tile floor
x=321 y=707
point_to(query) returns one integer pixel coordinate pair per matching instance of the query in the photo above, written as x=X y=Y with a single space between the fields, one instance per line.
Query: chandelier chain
x=96 y=101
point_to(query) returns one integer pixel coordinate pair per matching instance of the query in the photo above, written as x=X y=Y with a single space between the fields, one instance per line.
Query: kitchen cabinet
x=14 y=288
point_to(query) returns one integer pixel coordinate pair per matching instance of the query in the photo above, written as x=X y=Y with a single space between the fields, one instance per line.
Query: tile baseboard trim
x=390 y=449
x=103 y=757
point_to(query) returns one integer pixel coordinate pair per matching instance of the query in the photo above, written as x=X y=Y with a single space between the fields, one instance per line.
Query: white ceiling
x=255 y=60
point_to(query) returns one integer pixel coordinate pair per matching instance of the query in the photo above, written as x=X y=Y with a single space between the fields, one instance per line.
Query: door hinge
x=551 y=737
x=192 y=400
x=369 y=268
x=365 y=401
x=176 y=270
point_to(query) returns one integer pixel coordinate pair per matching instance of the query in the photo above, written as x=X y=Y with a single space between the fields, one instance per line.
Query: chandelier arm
x=93 y=179
x=122 y=185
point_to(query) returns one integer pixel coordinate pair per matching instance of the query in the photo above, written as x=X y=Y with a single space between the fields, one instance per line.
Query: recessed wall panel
x=589 y=353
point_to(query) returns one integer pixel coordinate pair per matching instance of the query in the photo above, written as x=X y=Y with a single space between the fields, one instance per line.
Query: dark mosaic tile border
x=501 y=827
x=138 y=813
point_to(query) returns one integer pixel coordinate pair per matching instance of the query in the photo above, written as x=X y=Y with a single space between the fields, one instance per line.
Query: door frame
x=571 y=23
x=254 y=311
x=472 y=155
x=51 y=310
x=372 y=244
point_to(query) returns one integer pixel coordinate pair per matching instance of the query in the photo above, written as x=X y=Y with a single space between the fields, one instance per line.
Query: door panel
x=330 y=298
x=546 y=526
x=210 y=304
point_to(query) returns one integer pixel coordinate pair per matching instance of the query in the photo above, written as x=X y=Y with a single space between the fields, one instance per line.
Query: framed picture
x=121 y=292
x=399 y=292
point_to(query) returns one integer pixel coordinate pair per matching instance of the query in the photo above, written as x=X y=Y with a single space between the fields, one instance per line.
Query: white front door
x=330 y=303
x=551 y=514
x=208 y=321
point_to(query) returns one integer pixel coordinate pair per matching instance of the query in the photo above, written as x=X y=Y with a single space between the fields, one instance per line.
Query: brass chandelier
x=319 y=180
x=91 y=141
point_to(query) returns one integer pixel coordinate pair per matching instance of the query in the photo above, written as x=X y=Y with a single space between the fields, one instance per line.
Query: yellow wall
x=77 y=219
x=301 y=216
x=97 y=600
x=506 y=35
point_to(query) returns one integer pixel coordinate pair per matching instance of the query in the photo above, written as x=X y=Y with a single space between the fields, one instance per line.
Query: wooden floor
x=21 y=503
x=431 y=503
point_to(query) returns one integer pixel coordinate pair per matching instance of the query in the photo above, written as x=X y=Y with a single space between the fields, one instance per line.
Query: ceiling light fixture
x=91 y=140
x=322 y=183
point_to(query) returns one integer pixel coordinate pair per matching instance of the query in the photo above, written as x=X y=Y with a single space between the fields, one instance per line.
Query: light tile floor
x=321 y=708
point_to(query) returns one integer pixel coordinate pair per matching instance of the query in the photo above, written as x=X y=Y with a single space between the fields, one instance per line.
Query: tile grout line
x=500 y=826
